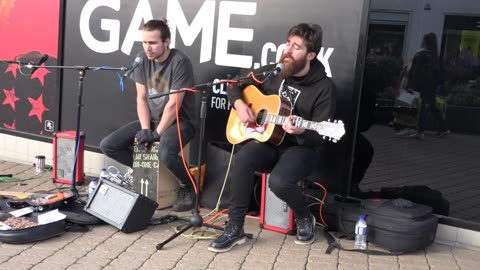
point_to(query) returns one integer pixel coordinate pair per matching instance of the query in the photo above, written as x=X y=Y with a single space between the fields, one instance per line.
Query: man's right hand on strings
x=244 y=112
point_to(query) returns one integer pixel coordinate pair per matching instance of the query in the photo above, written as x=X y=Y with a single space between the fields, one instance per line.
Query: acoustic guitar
x=270 y=112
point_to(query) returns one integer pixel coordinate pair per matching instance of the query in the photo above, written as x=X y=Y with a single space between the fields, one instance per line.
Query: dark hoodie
x=312 y=96
x=425 y=74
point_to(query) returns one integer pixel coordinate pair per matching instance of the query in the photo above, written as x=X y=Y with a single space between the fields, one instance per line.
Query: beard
x=292 y=67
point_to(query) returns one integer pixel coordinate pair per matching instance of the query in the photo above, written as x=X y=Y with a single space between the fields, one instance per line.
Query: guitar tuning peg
x=334 y=141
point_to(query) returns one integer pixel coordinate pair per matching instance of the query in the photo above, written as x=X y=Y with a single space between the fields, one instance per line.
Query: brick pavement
x=105 y=247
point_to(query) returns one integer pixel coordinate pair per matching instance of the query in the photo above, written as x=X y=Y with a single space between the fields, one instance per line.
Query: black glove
x=147 y=136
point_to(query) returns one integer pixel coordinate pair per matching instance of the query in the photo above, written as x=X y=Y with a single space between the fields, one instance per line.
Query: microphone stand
x=81 y=72
x=196 y=220
x=81 y=75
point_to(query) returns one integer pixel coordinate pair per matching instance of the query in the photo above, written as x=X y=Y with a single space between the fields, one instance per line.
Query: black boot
x=305 y=230
x=185 y=199
x=232 y=235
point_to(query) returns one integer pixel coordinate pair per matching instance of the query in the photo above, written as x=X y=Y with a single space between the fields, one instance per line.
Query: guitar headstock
x=331 y=130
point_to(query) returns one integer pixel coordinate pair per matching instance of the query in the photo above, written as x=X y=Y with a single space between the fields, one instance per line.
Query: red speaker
x=275 y=214
x=64 y=157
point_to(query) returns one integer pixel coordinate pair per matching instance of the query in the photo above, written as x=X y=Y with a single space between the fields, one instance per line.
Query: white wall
x=21 y=150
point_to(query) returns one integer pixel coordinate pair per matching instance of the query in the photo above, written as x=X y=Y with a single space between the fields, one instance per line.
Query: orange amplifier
x=65 y=158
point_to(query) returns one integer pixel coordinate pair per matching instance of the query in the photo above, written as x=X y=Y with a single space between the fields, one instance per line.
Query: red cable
x=216 y=215
x=323 y=201
x=177 y=109
x=251 y=74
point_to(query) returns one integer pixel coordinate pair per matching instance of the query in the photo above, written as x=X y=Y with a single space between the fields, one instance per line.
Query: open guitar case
x=30 y=231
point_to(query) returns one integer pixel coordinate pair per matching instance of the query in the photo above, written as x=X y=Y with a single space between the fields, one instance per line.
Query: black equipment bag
x=75 y=213
x=396 y=225
x=416 y=193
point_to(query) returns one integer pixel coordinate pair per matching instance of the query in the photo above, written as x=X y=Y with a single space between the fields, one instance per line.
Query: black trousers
x=429 y=104
x=118 y=146
x=287 y=166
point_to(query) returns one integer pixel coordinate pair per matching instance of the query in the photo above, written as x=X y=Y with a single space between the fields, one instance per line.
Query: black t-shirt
x=175 y=73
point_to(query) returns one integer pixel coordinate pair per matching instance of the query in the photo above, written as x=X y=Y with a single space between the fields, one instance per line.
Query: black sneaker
x=305 y=230
x=185 y=200
x=232 y=235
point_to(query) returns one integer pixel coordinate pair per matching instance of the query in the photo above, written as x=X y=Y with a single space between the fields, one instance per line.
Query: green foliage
x=381 y=74
x=466 y=94
x=458 y=75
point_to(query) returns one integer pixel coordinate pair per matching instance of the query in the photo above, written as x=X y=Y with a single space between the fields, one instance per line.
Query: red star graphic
x=37 y=108
x=12 y=68
x=12 y=126
x=10 y=98
x=40 y=74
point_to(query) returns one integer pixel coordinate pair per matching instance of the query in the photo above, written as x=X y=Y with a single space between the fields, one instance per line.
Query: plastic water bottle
x=104 y=175
x=91 y=187
x=361 y=233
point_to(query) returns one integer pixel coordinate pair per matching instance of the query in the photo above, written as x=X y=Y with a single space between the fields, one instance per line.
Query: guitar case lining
x=29 y=234
x=74 y=212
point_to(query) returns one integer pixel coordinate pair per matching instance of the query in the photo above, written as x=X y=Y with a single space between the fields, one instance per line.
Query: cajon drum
x=151 y=178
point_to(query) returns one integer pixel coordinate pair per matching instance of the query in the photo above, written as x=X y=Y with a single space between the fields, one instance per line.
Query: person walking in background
x=425 y=76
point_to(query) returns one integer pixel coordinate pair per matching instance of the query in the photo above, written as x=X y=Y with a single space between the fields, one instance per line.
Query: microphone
x=136 y=63
x=270 y=75
x=41 y=61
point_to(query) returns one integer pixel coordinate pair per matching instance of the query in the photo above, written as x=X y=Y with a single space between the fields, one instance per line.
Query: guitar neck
x=299 y=122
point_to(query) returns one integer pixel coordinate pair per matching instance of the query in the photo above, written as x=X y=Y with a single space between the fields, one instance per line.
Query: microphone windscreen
x=138 y=60
x=280 y=66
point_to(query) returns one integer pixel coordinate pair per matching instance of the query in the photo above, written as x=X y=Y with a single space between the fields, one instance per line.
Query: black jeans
x=287 y=167
x=118 y=146
x=429 y=104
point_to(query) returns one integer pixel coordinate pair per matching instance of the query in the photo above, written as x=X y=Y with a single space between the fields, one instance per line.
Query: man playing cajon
x=161 y=71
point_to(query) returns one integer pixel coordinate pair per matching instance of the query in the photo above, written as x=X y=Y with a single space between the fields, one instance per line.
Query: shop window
x=460 y=53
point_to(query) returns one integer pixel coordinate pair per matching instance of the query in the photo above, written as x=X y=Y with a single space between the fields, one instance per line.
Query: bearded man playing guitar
x=303 y=82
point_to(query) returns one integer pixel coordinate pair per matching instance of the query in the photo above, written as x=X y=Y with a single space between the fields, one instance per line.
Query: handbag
x=408 y=97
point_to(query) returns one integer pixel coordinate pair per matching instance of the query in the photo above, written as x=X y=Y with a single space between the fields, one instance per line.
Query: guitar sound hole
x=260 y=120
